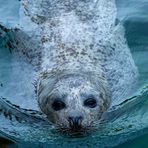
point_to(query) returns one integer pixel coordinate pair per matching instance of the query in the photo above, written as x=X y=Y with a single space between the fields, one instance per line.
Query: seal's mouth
x=75 y=127
x=75 y=132
x=75 y=123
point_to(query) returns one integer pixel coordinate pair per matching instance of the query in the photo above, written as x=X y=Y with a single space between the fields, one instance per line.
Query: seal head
x=73 y=101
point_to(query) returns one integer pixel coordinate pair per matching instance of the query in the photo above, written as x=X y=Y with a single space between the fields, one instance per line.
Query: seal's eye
x=58 y=105
x=90 y=102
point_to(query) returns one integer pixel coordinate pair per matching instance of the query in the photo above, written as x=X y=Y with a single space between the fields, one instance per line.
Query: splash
x=122 y=123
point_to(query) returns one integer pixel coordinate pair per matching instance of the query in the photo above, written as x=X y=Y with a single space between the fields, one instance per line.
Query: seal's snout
x=75 y=122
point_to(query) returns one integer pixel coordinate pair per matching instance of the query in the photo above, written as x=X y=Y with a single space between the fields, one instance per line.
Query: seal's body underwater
x=81 y=55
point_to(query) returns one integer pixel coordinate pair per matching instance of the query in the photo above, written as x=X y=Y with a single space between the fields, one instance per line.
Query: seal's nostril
x=75 y=122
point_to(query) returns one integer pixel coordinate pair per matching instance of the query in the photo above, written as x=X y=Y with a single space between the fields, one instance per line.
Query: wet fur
x=80 y=39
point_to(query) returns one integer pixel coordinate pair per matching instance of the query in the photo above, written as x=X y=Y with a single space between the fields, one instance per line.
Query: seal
x=80 y=53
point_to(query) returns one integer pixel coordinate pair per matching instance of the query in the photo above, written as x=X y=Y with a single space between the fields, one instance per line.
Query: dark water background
x=134 y=15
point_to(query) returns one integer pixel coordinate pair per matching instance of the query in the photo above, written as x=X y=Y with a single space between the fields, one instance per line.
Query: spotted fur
x=76 y=38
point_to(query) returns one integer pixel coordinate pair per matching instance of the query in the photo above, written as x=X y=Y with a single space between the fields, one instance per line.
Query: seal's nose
x=75 y=122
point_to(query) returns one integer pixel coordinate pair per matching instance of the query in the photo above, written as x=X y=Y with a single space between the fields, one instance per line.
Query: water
x=130 y=125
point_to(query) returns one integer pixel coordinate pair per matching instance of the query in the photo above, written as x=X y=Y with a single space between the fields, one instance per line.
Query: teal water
x=130 y=127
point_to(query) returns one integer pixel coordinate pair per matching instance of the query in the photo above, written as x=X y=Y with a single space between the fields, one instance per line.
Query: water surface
x=127 y=123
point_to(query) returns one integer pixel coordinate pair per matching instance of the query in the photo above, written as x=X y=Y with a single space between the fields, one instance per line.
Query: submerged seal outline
x=79 y=52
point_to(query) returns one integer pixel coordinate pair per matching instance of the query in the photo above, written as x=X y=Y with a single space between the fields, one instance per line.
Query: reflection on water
x=124 y=122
